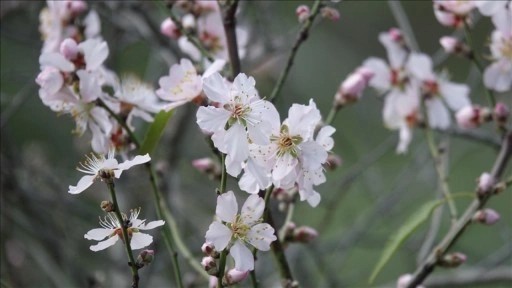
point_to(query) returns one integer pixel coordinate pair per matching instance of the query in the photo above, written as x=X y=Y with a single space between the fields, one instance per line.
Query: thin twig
x=301 y=37
x=229 y=21
x=459 y=226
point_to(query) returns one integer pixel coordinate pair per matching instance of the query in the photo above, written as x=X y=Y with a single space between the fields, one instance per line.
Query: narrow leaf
x=155 y=132
x=394 y=242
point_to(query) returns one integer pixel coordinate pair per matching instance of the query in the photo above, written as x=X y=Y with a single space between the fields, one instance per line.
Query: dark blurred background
x=364 y=201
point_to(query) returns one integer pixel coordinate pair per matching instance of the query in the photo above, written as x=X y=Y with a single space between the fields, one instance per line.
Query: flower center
x=286 y=143
x=239 y=228
x=506 y=48
x=430 y=88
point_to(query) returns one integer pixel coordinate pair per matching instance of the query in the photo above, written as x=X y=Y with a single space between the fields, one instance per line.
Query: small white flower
x=241 y=229
x=112 y=229
x=246 y=116
x=95 y=165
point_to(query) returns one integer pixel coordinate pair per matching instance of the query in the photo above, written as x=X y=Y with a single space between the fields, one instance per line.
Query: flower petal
x=98 y=234
x=261 y=235
x=139 y=159
x=211 y=118
x=83 y=184
x=152 y=225
x=252 y=209
x=219 y=235
x=215 y=88
x=140 y=240
x=105 y=244
x=227 y=207
x=244 y=260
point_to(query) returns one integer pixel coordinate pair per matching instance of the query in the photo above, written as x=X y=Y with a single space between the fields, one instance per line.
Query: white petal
x=101 y=118
x=98 y=234
x=438 y=115
x=314 y=199
x=105 y=244
x=227 y=207
x=312 y=154
x=83 y=184
x=455 y=95
x=255 y=176
x=216 y=89
x=324 y=137
x=381 y=79
x=139 y=159
x=284 y=165
x=260 y=236
x=420 y=65
x=233 y=166
x=152 y=225
x=498 y=76
x=244 y=261
x=56 y=60
x=219 y=235
x=252 y=209
x=216 y=66
x=140 y=240
x=237 y=145
x=211 y=118
x=405 y=136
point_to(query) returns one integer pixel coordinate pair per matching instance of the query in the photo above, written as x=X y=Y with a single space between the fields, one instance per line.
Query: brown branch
x=229 y=21
x=460 y=225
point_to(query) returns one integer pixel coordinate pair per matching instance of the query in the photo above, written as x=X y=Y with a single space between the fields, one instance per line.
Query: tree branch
x=229 y=21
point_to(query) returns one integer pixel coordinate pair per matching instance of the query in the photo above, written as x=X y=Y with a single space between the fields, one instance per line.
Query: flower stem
x=442 y=177
x=126 y=238
x=301 y=37
x=223 y=176
x=162 y=211
x=222 y=267
x=229 y=21
x=332 y=115
x=478 y=64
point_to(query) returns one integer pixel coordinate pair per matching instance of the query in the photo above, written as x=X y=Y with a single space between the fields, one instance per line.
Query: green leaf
x=420 y=216
x=155 y=132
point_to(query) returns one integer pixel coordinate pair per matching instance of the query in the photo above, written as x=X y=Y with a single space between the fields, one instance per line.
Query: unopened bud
x=305 y=234
x=107 y=206
x=485 y=184
x=302 y=13
x=352 y=87
x=209 y=250
x=234 y=276
x=501 y=113
x=188 y=21
x=472 y=116
x=169 y=29
x=69 y=49
x=145 y=257
x=486 y=216
x=396 y=35
x=208 y=166
x=212 y=282
x=404 y=280
x=330 y=13
x=452 y=260
x=452 y=45
x=209 y=265
x=77 y=7
x=333 y=161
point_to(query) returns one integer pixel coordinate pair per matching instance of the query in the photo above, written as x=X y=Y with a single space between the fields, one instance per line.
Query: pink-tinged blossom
x=452 y=45
x=69 y=49
x=95 y=165
x=188 y=21
x=453 y=260
x=234 y=276
x=436 y=91
x=111 y=229
x=501 y=113
x=471 y=116
x=330 y=13
x=302 y=12
x=485 y=183
x=453 y=13
x=352 y=87
x=209 y=265
x=404 y=280
x=304 y=234
x=170 y=29
x=238 y=230
x=239 y=118
x=486 y=216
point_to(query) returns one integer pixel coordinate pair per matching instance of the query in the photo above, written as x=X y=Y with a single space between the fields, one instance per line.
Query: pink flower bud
x=302 y=12
x=366 y=73
x=169 y=29
x=77 y=7
x=404 y=280
x=396 y=35
x=208 y=167
x=212 y=282
x=188 y=21
x=69 y=49
x=145 y=257
x=235 y=276
x=452 y=260
x=486 y=216
x=485 y=183
x=50 y=80
x=452 y=45
x=208 y=249
x=501 y=113
x=469 y=117
x=352 y=87
x=305 y=234
x=330 y=13
x=209 y=265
